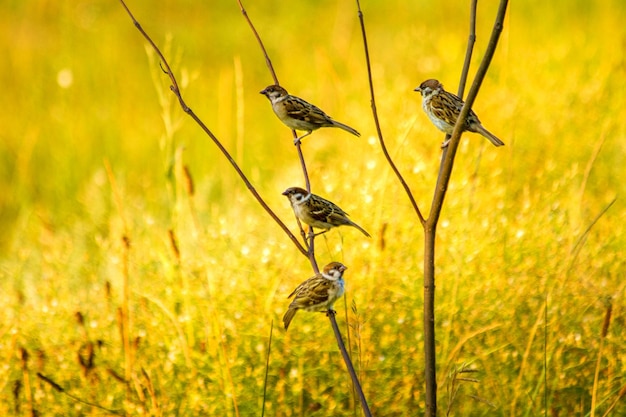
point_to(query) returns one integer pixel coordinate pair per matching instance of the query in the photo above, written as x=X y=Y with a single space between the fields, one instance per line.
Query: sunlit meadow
x=98 y=216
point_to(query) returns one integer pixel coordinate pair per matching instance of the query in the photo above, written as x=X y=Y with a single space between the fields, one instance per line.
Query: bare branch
x=346 y=358
x=470 y=48
x=268 y=61
x=377 y=123
x=442 y=183
x=445 y=172
x=175 y=89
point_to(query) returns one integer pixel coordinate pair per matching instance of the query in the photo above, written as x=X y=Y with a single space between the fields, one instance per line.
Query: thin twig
x=268 y=62
x=470 y=48
x=346 y=359
x=379 y=132
x=583 y=237
x=311 y=235
x=310 y=253
x=62 y=390
x=596 y=375
x=267 y=368
x=443 y=180
x=442 y=183
x=176 y=90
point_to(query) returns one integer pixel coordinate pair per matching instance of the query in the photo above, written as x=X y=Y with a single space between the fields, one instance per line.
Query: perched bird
x=317 y=211
x=443 y=109
x=298 y=114
x=317 y=293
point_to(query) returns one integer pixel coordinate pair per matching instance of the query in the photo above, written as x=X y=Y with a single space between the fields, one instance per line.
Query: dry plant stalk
x=309 y=251
x=174 y=87
x=445 y=171
x=311 y=236
x=596 y=376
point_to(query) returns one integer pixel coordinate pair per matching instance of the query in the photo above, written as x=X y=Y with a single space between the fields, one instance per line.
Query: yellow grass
x=93 y=150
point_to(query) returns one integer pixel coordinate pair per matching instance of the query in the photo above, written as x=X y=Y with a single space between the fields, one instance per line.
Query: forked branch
x=379 y=131
x=445 y=170
x=311 y=236
x=176 y=90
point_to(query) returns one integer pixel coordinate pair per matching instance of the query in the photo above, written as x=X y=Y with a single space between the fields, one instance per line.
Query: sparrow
x=299 y=114
x=443 y=109
x=317 y=293
x=317 y=211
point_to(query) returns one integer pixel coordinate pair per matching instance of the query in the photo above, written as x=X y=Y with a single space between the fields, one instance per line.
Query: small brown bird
x=443 y=109
x=317 y=211
x=298 y=114
x=317 y=293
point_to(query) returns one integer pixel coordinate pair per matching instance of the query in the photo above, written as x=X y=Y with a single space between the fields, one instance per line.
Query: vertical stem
x=379 y=131
x=346 y=359
x=128 y=357
x=430 y=376
x=430 y=226
x=596 y=375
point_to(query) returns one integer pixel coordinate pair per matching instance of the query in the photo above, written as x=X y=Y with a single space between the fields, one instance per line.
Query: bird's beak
x=419 y=90
x=285 y=192
x=264 y=92
x=343 y=268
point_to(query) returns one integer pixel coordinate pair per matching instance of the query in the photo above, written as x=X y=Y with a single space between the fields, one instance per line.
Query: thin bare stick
x=176 y=90
x=62 y=390
x=267 y=368
x=312 y=259
x=471 y=40
x=346 y=359
x=268 y=62
x=621 y=394
x=583 y=237
x=307 y=181
x=430 y=233
x=28 y=391
x=430 y=226
x=305 y=173
x=442 y=183
x=596 y=375
x=124 y=311
x=311 y=235
x=379 y=132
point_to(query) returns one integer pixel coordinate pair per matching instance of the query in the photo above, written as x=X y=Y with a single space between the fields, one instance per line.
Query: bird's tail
x=492 y=138
x=346 y=128
x=288 y=317
x=360 y=228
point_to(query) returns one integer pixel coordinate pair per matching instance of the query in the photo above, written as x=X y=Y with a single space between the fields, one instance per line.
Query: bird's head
x=274 y=92
x=428 y=87
x=334 y=271
x=296 y=195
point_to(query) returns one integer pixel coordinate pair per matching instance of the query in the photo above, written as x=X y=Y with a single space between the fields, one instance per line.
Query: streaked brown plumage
x=299 y=114
x=317 y=293
x=443 y=109
x=317 y=211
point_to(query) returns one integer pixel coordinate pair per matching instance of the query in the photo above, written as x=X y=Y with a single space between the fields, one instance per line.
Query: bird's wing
x=447 y=106
x=323 y=209
x=301 y=110
x=311 y=292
